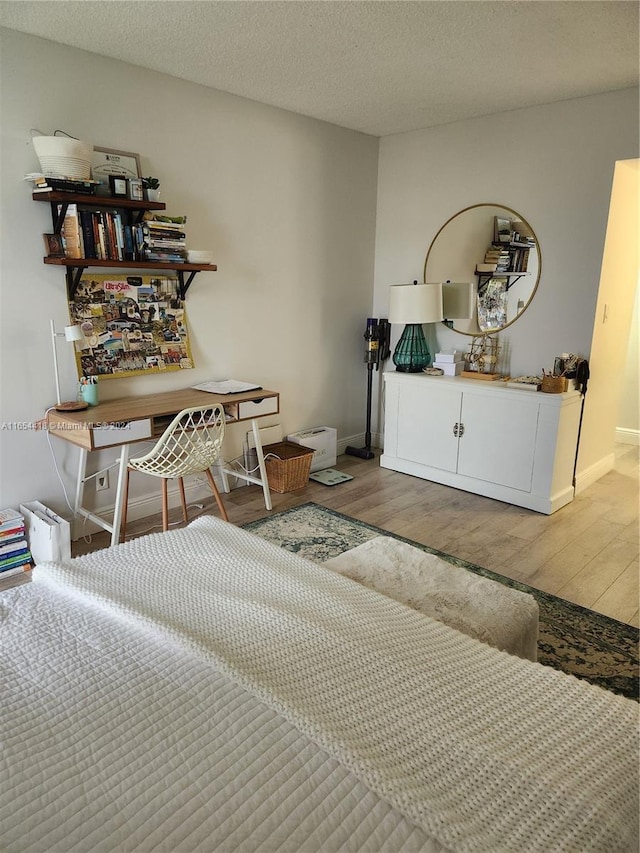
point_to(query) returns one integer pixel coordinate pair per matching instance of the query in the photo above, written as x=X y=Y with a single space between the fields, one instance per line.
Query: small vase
x=152 y=195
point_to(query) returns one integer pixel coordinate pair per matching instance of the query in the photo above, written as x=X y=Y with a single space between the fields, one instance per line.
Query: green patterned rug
x=572 y=638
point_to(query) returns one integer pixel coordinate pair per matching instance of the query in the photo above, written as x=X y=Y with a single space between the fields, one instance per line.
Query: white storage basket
x=63 y=157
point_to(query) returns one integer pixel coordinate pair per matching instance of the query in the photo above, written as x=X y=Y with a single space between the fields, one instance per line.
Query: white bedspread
x=115 y=741
x=484 y=751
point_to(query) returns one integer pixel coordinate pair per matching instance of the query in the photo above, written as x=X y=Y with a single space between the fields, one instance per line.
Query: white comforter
x=480 y=750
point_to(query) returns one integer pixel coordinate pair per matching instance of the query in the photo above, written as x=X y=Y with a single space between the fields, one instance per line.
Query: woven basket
x=288 y=465
x=554 y=384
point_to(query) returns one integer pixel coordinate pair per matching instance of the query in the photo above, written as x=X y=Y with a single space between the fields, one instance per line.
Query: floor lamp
x=71 y=334
x=414 y=304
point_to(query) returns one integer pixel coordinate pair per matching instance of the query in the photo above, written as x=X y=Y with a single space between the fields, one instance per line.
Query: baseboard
x=590 y=475
x=357 y=441
x=628 y=436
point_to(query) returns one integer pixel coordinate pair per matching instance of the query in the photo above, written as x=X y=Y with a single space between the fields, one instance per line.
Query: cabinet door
x=426 y=418
x=499 y=440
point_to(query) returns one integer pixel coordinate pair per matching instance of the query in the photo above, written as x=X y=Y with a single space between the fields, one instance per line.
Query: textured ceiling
x=377 y=67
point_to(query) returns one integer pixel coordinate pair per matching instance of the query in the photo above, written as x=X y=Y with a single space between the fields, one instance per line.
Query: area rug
x=572 y=639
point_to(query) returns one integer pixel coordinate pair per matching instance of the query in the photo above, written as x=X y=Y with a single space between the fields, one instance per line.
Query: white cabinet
x=515 y=446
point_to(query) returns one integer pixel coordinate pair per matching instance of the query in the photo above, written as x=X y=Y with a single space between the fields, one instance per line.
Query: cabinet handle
x=461 y=430
x=455 y=429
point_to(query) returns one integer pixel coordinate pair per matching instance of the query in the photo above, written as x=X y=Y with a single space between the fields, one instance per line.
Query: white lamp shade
x=458 y=300
x=415 y=303
x=73 y=333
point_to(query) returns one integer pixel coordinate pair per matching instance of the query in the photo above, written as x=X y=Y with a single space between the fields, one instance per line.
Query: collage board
x=131 y=325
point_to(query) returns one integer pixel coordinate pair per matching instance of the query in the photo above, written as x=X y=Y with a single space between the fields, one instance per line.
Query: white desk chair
x=189 y=445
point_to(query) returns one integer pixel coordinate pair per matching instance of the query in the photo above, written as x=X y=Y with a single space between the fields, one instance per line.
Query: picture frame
x=135 y=189
x=54 y=245
x=109 y=161
x=118 y=186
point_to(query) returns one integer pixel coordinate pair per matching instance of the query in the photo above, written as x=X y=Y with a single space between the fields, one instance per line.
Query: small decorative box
x=449 y=368
x=449 y=356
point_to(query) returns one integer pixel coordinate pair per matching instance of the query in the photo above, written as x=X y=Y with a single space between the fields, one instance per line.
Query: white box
x=449 y=357
x=323 y=440
x=449 y=368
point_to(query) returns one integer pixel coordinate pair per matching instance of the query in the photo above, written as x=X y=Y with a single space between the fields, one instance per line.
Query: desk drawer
x=121 y=432
x=255 y=408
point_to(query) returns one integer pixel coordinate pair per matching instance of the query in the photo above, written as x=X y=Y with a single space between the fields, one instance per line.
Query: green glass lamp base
x=412 y=353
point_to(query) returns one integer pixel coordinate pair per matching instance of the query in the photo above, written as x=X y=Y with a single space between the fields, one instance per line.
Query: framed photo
x=118 y=186
x=54 y=245
x=136 y=189
x=107 y=161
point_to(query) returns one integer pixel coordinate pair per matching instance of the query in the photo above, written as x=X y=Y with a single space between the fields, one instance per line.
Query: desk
x=129 y=420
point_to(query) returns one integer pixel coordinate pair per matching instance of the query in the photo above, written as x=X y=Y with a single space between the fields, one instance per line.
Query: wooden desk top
x=77 y=427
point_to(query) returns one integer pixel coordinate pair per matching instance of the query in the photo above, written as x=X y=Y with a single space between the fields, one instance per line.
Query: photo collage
x=131 y=325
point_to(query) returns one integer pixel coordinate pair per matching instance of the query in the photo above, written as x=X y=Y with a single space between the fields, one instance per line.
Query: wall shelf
x=75 y=267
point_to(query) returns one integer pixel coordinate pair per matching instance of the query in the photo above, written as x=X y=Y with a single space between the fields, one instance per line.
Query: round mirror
x=495 y=248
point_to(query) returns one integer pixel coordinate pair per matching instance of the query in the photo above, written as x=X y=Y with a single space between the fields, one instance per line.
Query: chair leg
x=165 y=505
x=184 y=500
x=125 y=502
x=216 y=494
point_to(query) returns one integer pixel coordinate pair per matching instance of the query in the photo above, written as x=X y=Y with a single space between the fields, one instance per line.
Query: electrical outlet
x=102 y=481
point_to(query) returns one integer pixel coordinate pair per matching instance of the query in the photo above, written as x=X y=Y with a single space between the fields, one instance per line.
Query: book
x=10 y=535
x=16 y=570
x=10 y=518
x=14 y=561
x=17 y=544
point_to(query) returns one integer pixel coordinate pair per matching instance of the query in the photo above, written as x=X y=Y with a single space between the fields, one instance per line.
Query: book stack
x=164 y=239
x=47 y=184
x=15 y=556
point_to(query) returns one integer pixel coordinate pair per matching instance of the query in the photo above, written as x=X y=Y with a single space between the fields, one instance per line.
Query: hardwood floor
x=587 y=552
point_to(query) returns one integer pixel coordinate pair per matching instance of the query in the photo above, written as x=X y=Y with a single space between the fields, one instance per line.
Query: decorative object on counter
x=62 y=156
x=414 y=304
x=88 y=390
x=553 y=384
x=433 y=371
x=70 y=334
x=524 y=383
x=151 y=188
x=482 y=359
x=449 y=362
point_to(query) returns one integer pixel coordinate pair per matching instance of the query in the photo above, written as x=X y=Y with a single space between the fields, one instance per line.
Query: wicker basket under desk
x=288 y=465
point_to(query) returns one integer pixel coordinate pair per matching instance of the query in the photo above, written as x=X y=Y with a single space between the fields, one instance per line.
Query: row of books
x=15 y=556
x=108 y=235
x=502 y=259
x=48 y=184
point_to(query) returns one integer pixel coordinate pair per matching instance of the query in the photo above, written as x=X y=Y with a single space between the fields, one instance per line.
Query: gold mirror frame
x=496 y=209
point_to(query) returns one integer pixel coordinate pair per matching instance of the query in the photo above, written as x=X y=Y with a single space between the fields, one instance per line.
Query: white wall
x=629 y=414
x=614 y=310
x=554 y=165
x=286 y=203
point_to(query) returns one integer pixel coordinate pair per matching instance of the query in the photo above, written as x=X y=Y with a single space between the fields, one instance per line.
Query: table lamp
x=414 y=304
x=71 y=333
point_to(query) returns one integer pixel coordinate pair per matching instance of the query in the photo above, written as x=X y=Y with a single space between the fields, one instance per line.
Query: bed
x=204 y=690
